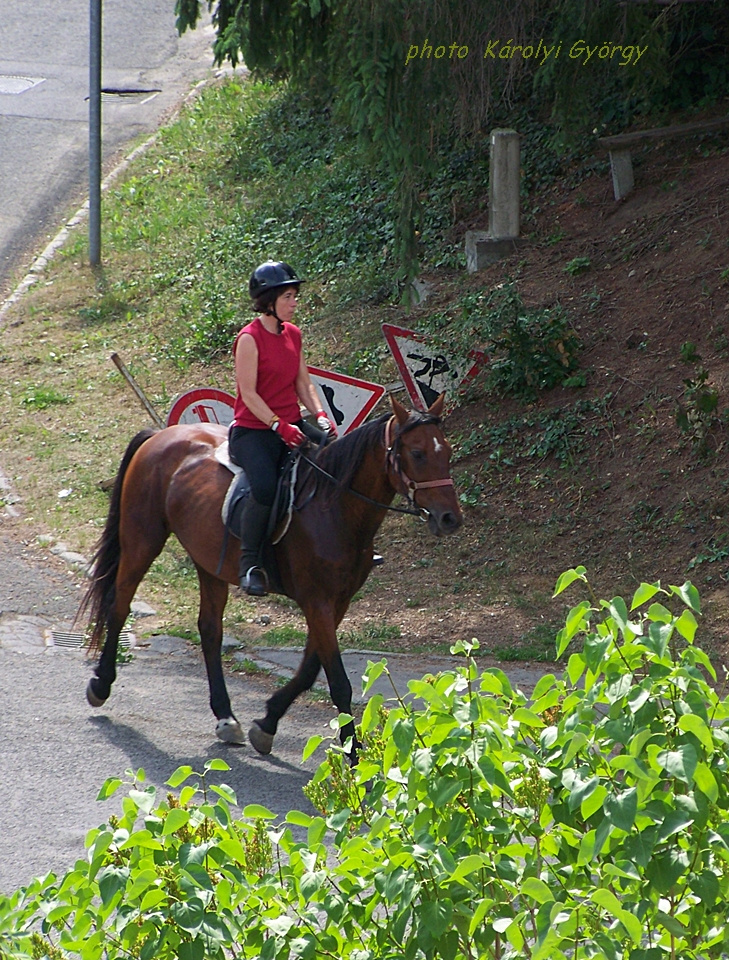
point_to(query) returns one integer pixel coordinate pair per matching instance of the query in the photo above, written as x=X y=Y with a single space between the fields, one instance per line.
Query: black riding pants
x=261 y=453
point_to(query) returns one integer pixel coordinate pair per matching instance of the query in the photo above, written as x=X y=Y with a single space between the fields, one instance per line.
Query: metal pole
x=95 y=133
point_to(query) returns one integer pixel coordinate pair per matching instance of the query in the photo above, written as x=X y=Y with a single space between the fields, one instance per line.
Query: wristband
x=275 y=421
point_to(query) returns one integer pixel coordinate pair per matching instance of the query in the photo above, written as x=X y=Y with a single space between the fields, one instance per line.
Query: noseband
x=392 y=461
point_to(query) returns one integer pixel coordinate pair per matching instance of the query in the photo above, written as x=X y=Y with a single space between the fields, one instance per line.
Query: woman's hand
x=289 y=433
x=325 y=424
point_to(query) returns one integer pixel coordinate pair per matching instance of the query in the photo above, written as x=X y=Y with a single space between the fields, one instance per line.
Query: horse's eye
x=418 y=455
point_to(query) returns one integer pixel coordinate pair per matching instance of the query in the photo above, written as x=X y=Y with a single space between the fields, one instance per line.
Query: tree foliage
x=411 y=75
x=589 y=820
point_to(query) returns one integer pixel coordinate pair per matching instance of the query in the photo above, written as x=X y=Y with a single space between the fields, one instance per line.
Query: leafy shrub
x=698 y=413
x=588 y=820
x=577 y=265
x=528 y=349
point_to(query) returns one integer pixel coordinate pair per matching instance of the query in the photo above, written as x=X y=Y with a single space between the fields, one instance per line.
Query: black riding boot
x=255 y=523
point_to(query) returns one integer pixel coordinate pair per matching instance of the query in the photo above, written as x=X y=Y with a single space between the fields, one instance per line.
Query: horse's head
x=418 y=464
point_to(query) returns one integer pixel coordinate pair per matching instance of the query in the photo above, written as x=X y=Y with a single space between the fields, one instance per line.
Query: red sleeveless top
x=279 y=356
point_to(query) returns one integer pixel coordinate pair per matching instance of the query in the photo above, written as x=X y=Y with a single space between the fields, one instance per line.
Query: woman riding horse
x=271 y=378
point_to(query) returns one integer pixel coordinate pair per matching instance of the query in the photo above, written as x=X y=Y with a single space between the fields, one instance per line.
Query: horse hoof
x=92 y=697
x=230 y=731
x=260 y=740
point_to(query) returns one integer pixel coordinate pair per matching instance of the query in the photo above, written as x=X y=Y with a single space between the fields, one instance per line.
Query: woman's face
x=286 y=304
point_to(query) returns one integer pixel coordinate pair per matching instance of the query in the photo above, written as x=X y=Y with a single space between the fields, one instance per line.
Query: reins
x=355 y=493
x=392 y=460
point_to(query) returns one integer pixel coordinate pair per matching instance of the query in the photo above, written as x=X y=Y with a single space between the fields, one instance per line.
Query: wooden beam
x=660 y=133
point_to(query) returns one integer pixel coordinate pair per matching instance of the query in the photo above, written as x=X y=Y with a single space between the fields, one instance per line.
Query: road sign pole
x=95 y=133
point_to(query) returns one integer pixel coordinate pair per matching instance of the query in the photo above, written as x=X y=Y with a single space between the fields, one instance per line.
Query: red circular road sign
x=205 y=405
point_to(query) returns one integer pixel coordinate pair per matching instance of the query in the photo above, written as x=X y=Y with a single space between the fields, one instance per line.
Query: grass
x=248 y=171
x=284 y=636
x=374 y=636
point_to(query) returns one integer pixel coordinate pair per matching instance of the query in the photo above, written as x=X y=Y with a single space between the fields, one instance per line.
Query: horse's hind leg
x=137 y=554
x=213 y=597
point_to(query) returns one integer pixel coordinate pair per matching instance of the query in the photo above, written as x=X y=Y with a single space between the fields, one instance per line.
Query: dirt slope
x=611 y=481
x=640 y=499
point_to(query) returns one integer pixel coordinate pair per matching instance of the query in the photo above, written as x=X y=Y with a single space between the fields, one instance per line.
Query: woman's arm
x=306 y=392
x=305 y=389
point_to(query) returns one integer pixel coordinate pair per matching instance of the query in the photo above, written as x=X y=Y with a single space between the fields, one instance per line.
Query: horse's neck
x=370 y=481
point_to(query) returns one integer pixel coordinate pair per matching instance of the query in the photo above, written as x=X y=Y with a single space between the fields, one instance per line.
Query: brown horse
x=170 y=482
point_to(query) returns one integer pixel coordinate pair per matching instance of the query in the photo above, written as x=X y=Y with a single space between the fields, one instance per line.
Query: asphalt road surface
x=56 y=751
x=44 y=85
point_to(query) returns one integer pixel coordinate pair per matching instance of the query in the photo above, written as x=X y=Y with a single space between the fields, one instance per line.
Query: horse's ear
x=399 y=410
x=436 y=409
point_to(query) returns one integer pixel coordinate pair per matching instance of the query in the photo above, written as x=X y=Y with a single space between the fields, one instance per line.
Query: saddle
x=281 y=512
x=239 y=490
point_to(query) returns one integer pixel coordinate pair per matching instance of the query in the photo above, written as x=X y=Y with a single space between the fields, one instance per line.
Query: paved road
x=44 y=125
x=56 y=751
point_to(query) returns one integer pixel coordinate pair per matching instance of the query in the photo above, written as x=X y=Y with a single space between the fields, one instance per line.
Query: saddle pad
x=223 y=456
x=239 y=489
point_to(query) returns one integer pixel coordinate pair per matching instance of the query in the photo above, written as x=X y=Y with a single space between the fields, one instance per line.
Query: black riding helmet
x=270 y=276
x=266 y=283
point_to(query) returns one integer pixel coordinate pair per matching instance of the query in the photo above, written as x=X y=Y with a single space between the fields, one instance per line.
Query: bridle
x=392 y=463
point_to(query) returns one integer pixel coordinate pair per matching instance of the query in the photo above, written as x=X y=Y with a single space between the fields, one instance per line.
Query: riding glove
x=325 y=424
x=289 y=433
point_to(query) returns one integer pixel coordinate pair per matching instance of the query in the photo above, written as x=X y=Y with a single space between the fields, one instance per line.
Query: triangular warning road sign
x=347 y=400
x=426 y=369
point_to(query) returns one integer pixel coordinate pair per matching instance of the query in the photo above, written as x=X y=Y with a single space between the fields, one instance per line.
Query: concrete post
x=621 y=168
x=504 y=175
x=502 y=238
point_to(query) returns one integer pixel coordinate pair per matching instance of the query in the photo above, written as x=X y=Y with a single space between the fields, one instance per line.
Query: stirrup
x=255 y=582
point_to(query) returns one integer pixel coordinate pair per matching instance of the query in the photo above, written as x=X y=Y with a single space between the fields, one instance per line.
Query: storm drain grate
x=112 y=95
x=12 y=84
x=67 y=638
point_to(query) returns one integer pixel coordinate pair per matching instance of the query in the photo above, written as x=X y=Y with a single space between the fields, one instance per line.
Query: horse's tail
x=99 y=598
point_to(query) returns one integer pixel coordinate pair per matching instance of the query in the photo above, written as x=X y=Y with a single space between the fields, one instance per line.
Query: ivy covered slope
x=411 y=77
x=589 y=821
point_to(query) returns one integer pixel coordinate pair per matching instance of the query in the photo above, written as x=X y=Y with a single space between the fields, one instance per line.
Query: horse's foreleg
x=321 y=650
x=263 y=731
x=340 y=689
x=213 y=597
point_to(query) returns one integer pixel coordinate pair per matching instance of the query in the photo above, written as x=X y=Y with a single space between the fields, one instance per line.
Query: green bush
x=529 y=349
x=590 y=820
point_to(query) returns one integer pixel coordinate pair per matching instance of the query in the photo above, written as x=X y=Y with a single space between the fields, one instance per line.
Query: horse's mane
x=343 y=458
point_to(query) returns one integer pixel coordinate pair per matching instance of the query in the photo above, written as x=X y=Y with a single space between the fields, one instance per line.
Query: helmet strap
x=272 y=313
